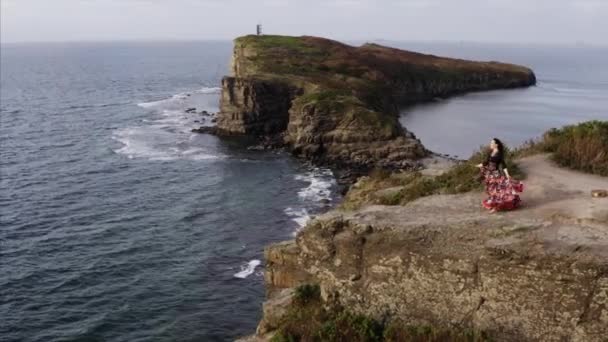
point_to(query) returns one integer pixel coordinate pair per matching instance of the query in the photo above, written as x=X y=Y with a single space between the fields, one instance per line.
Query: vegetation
x=308 y=320
x=582 y=147
x=307 y=293
x=367 y=76
x=409 y=186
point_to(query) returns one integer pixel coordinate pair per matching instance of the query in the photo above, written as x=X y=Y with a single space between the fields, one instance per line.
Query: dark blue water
x=572 y=87
x=119 y=224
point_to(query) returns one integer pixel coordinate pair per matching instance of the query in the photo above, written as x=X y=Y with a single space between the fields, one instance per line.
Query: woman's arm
x=505 y=169
x=485 y=162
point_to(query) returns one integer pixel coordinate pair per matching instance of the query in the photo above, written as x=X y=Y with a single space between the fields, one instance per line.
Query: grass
x=373 y=74
x=279 y=43
x=582 y=147
x=356 y=89
x=398 y=332
x=308 y=319
x=461 y=178
x=346 y=106
x=306 y=294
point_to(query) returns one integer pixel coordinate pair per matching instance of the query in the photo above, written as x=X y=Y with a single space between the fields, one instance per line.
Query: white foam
x=172 y=99
x=320 y=183
x=248 y=269
x=179 y=101
x=164 y=138
x=299 y=216
x=212 y=90
x=313 y=196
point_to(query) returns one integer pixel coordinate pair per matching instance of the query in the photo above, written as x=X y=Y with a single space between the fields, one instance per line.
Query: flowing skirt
x=502 y=192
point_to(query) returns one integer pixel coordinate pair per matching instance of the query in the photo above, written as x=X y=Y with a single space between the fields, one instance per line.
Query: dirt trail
x=562 y=194
x=558 y=214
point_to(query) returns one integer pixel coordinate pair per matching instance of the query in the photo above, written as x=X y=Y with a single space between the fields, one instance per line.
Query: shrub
x=307 y=293
x=582 y=147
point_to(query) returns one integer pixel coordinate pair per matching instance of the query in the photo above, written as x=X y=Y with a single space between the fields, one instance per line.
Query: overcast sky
x=523 y=21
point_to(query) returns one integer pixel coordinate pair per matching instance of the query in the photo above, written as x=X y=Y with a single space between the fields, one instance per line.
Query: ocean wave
x=299 y=216
x=174 y=98
x=314 y=196
x=179 y=99
x=320 y=184
x=137 y=143
x=168 y=134
x=248 y=269
x=209 y=90
x=164 y=139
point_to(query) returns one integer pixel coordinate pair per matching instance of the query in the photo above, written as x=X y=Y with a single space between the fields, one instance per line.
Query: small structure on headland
x=258 y=29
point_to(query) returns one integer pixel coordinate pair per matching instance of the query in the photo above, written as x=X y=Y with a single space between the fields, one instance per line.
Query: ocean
x=120 y=224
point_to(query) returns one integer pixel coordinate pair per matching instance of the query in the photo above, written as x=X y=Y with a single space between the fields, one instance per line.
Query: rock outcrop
x=337 y=104
x=536 y=274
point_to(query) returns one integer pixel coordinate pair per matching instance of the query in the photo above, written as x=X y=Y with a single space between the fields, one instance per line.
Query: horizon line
x=179 y=40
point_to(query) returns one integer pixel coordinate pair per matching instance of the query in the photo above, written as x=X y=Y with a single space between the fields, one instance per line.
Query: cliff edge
x=337 y=104
x=536 y=274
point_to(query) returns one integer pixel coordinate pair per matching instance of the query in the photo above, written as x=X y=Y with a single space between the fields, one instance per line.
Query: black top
x=496 y=161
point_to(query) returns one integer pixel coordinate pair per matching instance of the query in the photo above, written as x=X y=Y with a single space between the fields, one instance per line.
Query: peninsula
x=338 y=105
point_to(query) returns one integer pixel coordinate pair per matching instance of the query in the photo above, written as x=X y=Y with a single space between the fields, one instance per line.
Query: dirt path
x=558 y=213
x=554 y=191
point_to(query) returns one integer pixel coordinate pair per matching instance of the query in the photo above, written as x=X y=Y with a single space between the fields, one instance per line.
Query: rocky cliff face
x=255 y=107
x=539 y=273
x=337 y=104
x=448 y=265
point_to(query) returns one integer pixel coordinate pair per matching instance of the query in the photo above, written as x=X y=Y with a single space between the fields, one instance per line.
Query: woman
x=501 y=189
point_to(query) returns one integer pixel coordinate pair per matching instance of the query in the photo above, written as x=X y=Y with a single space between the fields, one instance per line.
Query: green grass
x=582 y=147
x=269 y=42
x=306 y=294
x=285 y=55
x=308 y=319
x=398 y=332
x=461 y=178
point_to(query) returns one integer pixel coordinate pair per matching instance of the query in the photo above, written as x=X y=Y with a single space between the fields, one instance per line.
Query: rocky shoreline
x=537 y=274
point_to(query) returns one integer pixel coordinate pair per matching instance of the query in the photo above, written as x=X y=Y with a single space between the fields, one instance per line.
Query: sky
x=502 y=21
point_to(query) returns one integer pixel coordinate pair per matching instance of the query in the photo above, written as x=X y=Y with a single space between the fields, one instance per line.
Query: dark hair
x=500 y=145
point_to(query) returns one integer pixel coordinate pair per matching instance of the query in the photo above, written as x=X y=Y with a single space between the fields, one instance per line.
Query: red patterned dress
x=502 y=192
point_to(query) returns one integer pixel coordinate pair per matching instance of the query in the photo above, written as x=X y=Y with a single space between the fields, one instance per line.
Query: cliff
x=337 y=104
x=536 y=274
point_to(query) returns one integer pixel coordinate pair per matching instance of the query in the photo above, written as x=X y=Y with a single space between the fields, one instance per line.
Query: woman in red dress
x=501 y=189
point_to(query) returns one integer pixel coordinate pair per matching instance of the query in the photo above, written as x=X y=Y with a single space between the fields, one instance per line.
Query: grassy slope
x=461 y=178
x=582 y=147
